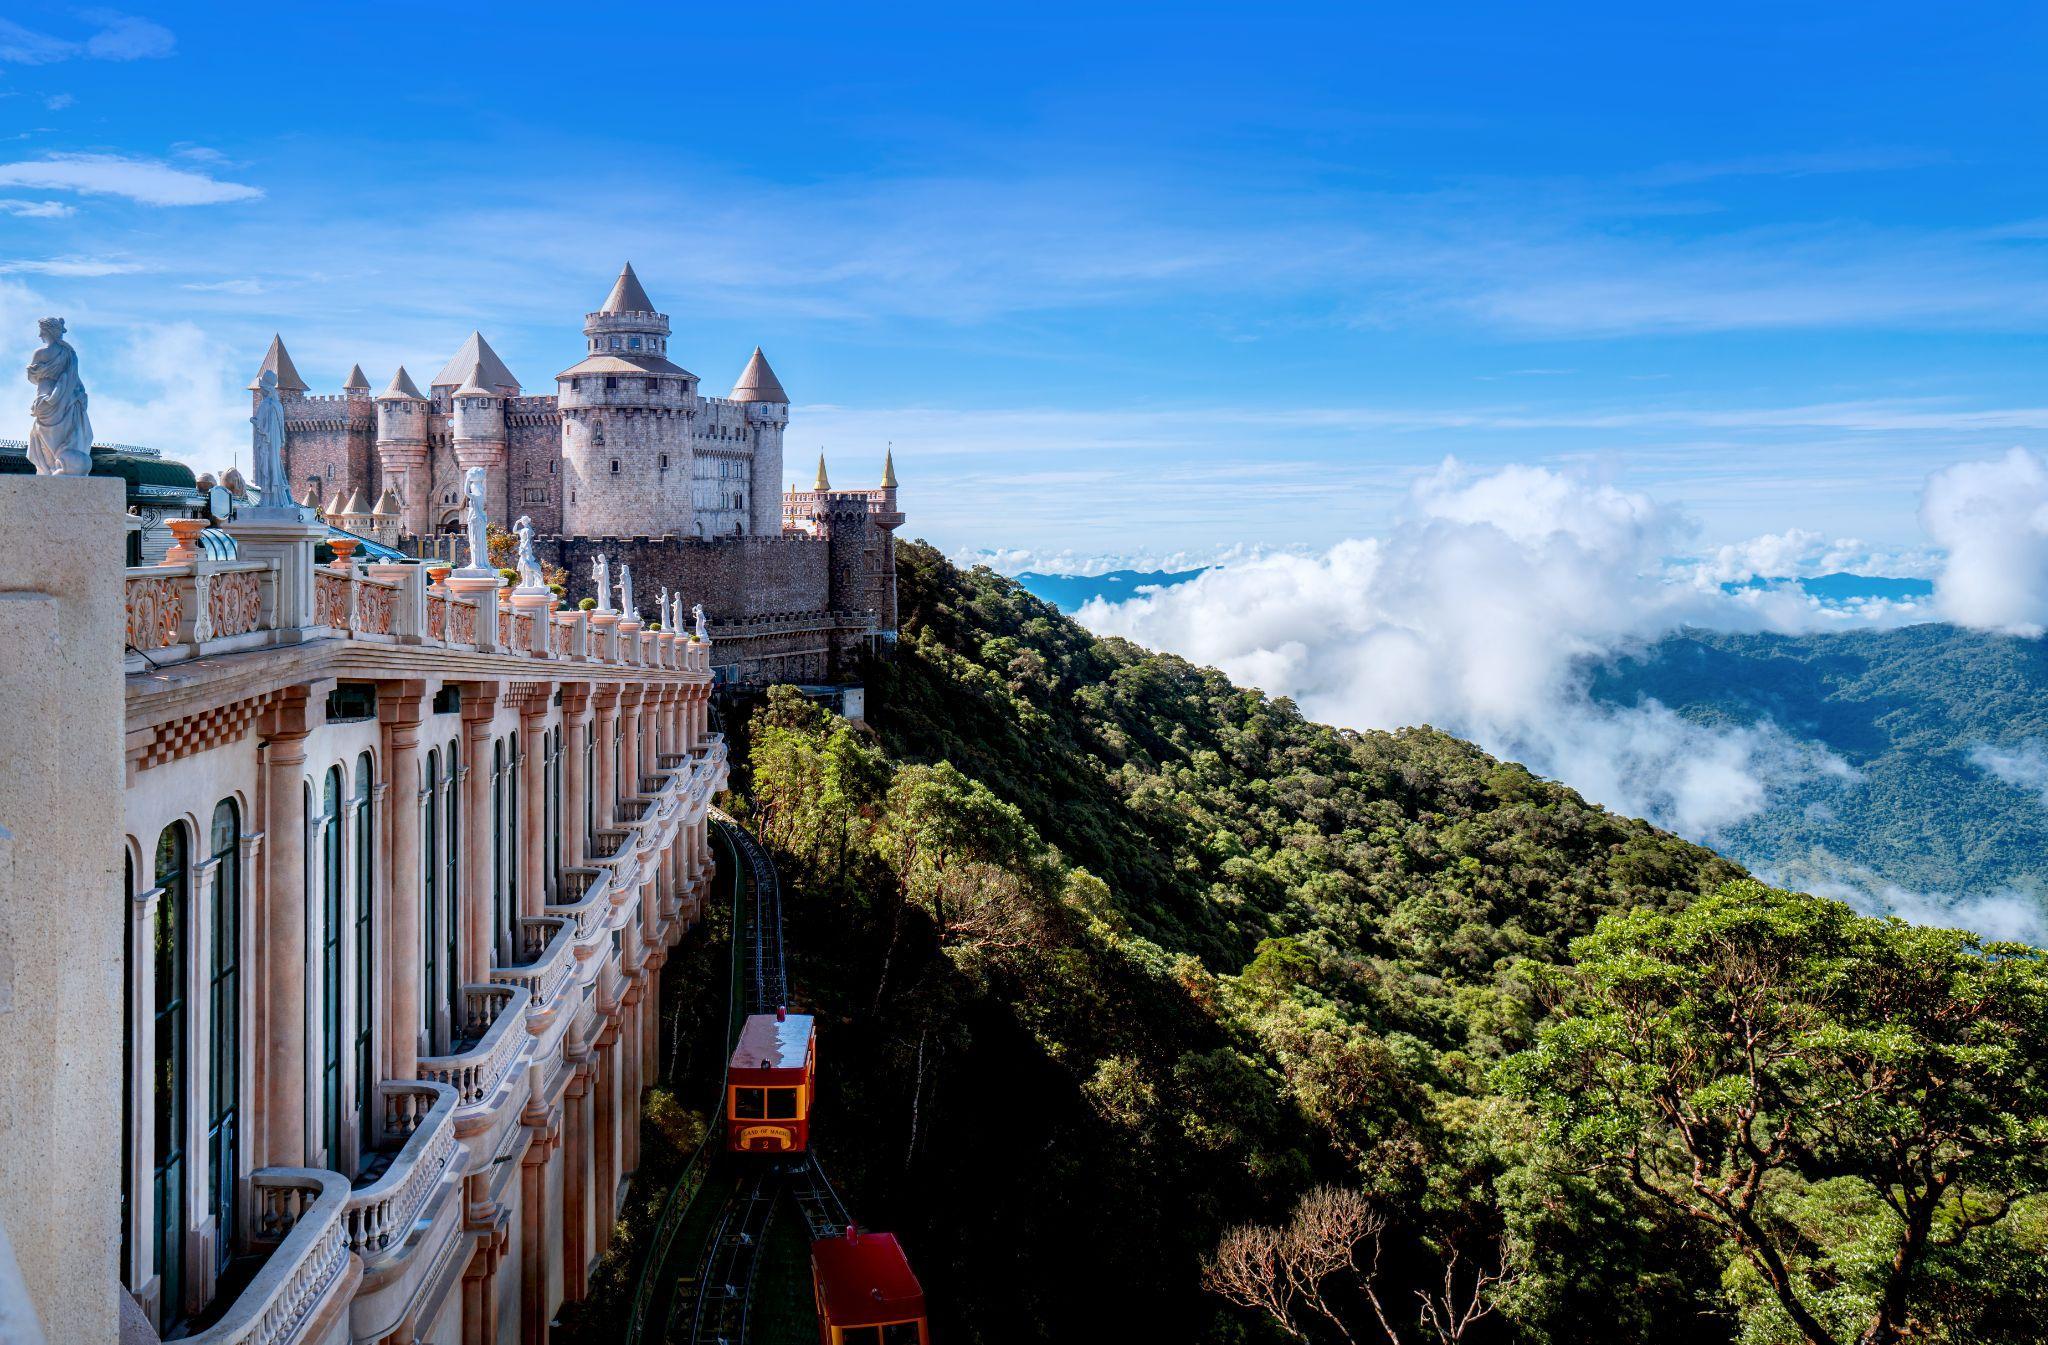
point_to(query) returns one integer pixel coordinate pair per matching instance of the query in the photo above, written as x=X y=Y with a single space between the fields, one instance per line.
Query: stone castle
x=627 y=458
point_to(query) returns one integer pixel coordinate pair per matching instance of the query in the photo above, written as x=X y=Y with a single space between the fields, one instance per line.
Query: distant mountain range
x=1905 y=709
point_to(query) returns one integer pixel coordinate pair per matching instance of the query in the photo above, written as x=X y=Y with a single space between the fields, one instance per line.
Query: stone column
x=629 y=740
x=398 y=708
x=576 y=1181
x=479 y=706
x=575 y=737
x=607 y=700
x=284 y=921
x=533 y=718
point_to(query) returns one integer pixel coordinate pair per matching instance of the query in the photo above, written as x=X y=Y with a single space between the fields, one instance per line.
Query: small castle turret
x=767 y=407
x=402 y=448
x=626 y=422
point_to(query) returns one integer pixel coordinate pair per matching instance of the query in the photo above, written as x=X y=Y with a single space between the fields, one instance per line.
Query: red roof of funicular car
x=772 y=1041
x=865 y=1280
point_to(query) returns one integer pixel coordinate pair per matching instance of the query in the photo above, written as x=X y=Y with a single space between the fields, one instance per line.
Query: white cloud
x=145 y=181
x=1481 y=613
x=115 y=37
x=1799 y=553
x=176 y=392
x=1992 y=517
x=2023 y=767
x=2004 y=914
x=57 y=102
x=239 y=286
x=37 y=209
x=72 y=268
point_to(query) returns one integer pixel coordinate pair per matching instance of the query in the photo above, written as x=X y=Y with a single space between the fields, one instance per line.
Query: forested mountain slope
x=1113 y=957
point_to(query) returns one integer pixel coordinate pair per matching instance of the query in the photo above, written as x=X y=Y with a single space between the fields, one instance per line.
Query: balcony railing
x=633 y=807
x=547 y=950
x=494 y=1017
x=419 y=1118
x=606 y=842
x=307 y=1209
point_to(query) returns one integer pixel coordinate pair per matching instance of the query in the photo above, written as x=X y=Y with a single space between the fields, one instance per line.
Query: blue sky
x=1162 y=279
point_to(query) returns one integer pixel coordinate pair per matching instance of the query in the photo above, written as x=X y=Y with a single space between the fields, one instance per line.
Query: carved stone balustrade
x=305 y=1210
x=547 y=951
x=494 y=1017
x=420 y=1119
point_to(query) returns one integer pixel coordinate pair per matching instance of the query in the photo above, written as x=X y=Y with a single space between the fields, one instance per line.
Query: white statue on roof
x=663 y=610
x=601 y=578
x=266 y=458
x=675 y=616
x=703 y=631
x=530 y=578
x=59 y=435
x=477 y=521
x=628 y=611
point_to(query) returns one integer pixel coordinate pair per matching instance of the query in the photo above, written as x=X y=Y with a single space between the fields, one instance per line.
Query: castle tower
x=277 y=361
x=402 y=449
x=626 y=415
x=357 y=387
x=767 y=415
x=479 y=436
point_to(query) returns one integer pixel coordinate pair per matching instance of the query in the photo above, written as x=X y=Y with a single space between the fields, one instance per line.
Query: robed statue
x=675 y=618
x=601 y=576
x=697 y=614
x=267 y=460
x=528 y=565
x=473 y=516
x=628 y=611
x=59 y=436
x=662 y=608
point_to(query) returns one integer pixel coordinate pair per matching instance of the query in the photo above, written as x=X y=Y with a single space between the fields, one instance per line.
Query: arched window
x=508 y=919
x=224 y=1004
x=589 y=785
x=430 y=892
x=498 y=846
x=329 y=951
x=365 y=954
x=451 y=971
x=167 y=1073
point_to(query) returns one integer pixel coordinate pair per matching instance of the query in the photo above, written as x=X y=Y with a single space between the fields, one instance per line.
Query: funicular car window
x=782 y=1104
x=746 y=1103
x=900 y=1333
x=862 y=1335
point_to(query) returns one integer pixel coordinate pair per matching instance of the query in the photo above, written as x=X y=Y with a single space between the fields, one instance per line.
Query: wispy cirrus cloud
x=37 y=209
x=73 y=267
x=113 y=36
x=143 y=181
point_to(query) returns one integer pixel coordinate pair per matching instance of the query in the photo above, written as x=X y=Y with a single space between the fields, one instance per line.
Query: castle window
x=536 y=495
x=654 y=385
x=615 y=466
x=615 y=343
x=632 y=343
x=664 y=462
x=610 y=383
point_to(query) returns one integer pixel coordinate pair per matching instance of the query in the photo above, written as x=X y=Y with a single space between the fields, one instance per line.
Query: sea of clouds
x=1485 y=608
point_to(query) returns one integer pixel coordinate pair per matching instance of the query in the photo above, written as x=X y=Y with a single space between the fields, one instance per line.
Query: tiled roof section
x=758 y=382
x=279 y=362
x=613 y=362
x=473 y=386
x=402 y=388
x=628 y=295
x=477 y=353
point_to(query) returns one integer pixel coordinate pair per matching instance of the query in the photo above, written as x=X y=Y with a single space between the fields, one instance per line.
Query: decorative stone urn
x=186 y=546
x=344 y=547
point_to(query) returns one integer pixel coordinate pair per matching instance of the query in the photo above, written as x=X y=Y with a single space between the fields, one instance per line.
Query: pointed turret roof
x=387 y=504
x=335 y=508
x=628 y=295
x=402 y=388
x=280 y=363
x=309 y=499
x=476 y=352
x=758 y=382
x=889 y=469
x=357 y=506
x=824 y=482
x=356 y=382
x=473 y=386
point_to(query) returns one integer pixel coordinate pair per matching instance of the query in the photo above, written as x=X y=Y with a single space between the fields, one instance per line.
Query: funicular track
x=705 y=1264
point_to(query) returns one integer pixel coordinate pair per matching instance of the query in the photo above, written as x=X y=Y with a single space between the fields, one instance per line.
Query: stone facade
x=363 y=888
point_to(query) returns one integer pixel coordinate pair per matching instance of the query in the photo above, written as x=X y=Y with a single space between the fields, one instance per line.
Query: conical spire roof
x=387 y=504
x=356 y=382
x=309 y=499
x=628 y=295
x=335 y=507
x=280 y=363
x=473 y=386
x=889 y=469
x=824 y=482
x=476 y=352
x=402 y=388
x=357 y=506
x=758 y=382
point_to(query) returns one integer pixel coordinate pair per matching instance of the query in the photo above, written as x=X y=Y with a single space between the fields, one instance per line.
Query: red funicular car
x=867 y=1294
x=770 y=1082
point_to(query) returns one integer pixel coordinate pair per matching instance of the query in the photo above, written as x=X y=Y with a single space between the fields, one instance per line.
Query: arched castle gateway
x=627 y=458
